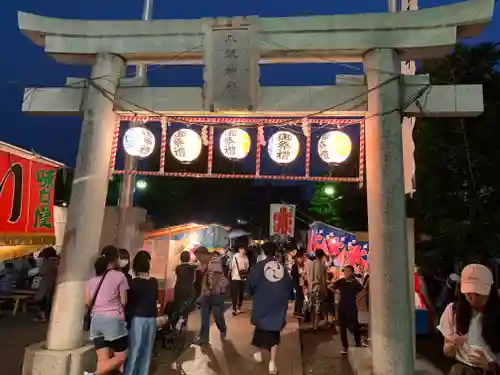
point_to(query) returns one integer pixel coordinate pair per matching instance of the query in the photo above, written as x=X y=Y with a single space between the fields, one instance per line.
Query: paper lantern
x=139 y=141
x=235 y=143
x=283 y=147
x=185 y=145
x=334 y=147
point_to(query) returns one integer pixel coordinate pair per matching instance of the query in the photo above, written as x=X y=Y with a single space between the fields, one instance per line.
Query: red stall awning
x=27 y=183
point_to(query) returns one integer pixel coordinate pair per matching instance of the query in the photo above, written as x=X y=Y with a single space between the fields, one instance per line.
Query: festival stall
x=26 y=201
x=165 y=246
x=340 y=245
x=344 y=250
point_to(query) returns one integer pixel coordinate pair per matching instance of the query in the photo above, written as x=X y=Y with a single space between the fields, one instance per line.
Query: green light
x=329 y=190
x=141 y=184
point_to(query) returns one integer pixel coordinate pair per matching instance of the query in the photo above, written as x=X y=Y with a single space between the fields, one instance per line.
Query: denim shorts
x=107 y=328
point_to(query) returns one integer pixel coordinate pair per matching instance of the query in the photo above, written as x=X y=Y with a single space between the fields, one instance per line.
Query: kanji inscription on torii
x=231 y=69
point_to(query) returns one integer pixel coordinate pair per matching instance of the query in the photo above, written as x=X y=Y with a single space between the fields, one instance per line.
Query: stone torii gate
x=380 y=41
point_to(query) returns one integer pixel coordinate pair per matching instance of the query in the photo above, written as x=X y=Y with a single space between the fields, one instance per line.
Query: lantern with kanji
x=334 y=147
x=283 y=147
x=185 y=145
x=235 y=143
x=139 y=141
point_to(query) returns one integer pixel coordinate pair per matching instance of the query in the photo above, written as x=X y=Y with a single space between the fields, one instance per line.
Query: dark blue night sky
x=23 y=64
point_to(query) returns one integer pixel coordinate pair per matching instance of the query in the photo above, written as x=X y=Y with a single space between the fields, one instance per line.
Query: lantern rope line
x=249 y=176
x=362 y=153
x=86 y=81
x=210 y=150
x=163 y=147
x=308 y=152
x=327 y=60
x=260 y=135
x=114 y=148
x=413 y=99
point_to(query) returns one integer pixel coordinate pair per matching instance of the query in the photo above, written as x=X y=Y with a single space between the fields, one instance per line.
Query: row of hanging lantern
x=334 y=146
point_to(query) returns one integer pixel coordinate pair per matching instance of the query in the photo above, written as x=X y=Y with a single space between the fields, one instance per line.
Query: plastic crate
x=421 y=322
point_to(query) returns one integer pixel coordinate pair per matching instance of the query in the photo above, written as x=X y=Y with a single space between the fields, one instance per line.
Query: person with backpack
x=213 y=288
x=239 y=272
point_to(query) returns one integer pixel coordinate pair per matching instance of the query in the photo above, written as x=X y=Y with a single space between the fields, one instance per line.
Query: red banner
x=282 y=220
x=26 y=201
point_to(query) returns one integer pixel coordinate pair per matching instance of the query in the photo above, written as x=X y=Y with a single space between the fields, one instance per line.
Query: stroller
x=173 y=333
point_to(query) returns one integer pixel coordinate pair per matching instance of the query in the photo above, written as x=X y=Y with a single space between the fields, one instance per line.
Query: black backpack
x=225 y=267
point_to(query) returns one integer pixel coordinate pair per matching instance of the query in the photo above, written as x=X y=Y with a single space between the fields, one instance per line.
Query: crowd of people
x=320 y=294
x=468 y=309
x=123 y=315
x=35 y=274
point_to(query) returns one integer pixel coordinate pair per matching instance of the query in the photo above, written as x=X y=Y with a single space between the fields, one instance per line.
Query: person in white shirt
x=239 y=272
x=471 y=326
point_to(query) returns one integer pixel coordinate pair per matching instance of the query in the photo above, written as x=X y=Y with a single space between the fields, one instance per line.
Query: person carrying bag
x=239 y=273
x=88 y=315
x=106 y=298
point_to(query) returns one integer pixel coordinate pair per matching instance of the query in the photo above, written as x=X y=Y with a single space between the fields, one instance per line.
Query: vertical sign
x=282 y=220
x=231 y=68
x=408 y=68
x=26 y=201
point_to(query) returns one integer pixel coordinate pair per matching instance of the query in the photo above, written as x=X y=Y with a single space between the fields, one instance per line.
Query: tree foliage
x=458 y=192
x=346 y=208
x=457 y=198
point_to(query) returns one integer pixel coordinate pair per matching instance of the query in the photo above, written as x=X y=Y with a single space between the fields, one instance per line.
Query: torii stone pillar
x=65 y=339
x=381 y=41
x=88 y=199
x=390 y=306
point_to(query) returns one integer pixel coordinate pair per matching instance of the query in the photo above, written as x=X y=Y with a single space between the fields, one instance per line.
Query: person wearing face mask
x=471 y=325
x=124 y=264
x=105 y=300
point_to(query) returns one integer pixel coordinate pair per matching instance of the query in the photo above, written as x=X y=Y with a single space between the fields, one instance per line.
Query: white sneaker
x=257 y=357
x=88 y=373
x=272 y=368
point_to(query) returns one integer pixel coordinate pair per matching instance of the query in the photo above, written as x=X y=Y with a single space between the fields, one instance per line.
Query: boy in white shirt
x=239 y=272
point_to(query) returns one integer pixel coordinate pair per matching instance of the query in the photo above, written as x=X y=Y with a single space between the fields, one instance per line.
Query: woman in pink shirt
x=108 y=327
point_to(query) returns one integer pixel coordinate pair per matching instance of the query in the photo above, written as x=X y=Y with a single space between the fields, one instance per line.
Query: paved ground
x=233 y=356
x=430 y=347
x=302 y=352
x=321 y=353
x=15 y=334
